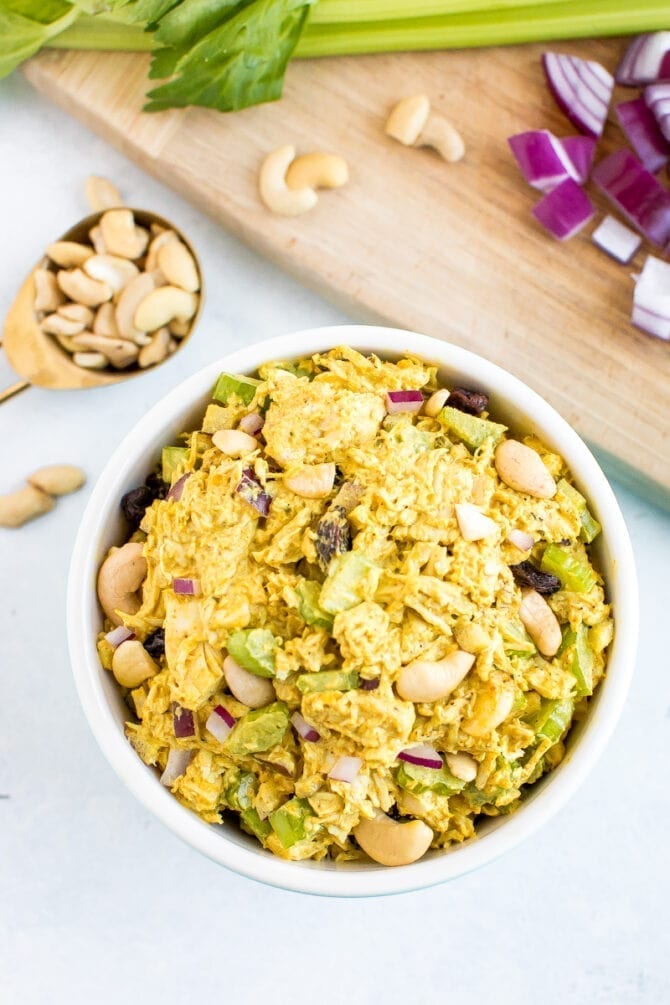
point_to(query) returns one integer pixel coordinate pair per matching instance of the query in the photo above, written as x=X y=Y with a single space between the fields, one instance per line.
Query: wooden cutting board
x=450 y=250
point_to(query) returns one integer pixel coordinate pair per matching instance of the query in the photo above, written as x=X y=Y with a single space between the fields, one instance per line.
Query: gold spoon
x=38 y=358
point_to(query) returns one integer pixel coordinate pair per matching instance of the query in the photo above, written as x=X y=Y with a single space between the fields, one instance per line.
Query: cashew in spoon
x=119 y=580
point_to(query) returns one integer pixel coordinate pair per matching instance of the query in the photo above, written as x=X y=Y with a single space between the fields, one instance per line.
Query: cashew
x=105 y=321
x=473 y=524
x=162 y=305
x=131 y=664
x=157 y=350
x=82 y=289
x=131 y=297
x=317 y=170
x=111 y=269
x=90 y=360
x=422 y=680
x=161 y=238
x=463 y=766
x=492 y=706
x=173 y=345
x=471 y=637
x=312 y=481
x=69 y=254
x=56 y=324
x=101 y=194
x=247 y=687
x=436 y=402
x=274 y=191
x=120 y=234
x=523 y=469
x=407 y=119
x=97 y=240
x=540 y=622
x=121 y=576
x=19 y=507
x=390 y=842
x=439 y=134
x=48 y=297
x=76 y=312
x=121 y=353
x=177 y=265
x=234 y=442
x=65 y=342
x=179 y=328
x=58 y=479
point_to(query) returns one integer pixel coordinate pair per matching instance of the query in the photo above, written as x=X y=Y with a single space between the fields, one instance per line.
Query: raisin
x=333 y=535
x=157 y=486
x=155 y=643
x=465 y=400
x=527 y=574
x=135 y=502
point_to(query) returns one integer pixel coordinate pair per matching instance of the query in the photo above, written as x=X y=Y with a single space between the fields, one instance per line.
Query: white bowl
x=102 y=526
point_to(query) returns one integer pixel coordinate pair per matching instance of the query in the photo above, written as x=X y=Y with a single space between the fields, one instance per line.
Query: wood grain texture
x=450 y=250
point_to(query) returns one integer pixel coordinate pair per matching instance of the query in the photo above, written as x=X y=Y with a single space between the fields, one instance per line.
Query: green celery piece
x=576 y=576
x=351 y=578
x=520 y=702
x=308 y=605
x=516 y=640
x=254 y=649
x=417 y=779
x=288 y=822
x=238 y=795
x=553 y=719
x=582 y=662
x=470 y=429
x=590 y=527
x=258 y=730
x=568 y=639
x=173 y=458
x=564 y=490
x=229 y=384
x=260 y=828
x=27 y=25
x=328 y=680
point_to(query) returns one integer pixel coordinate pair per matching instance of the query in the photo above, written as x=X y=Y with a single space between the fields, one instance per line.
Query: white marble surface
x=99 y=903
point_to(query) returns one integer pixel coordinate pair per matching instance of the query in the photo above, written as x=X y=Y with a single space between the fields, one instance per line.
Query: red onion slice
x=303 y=728
x=177 y=763
x=565 y=210
x=186 y=587
x=545 y=161
x=183 y=722
x=616 y=239
x=178 y=487
x=521 y=540
x=345 y=769
x=637 y=194
x=219 y=723
x=119 y=635
x=422 y=755
x=403 y=401
x=651 y=299
x=643 y=133
x=657 y=100
x=646 y=60
x=252 y=423
x=252 y=492
x=580 y=150
x=582 y=89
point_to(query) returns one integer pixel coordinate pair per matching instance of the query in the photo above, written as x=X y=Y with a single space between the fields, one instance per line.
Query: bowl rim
x=332 y=880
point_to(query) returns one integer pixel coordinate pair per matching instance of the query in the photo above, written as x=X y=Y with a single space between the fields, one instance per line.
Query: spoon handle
x=10 y=392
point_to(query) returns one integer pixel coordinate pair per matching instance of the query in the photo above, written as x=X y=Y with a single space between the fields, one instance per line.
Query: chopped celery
x=553 y=719
x=239 y=791
x=328 y=680
x=308 y=604
x=601 y=635
x=567 y=640
x=417 y=779
x=260 y=828
x=582 y=662
x=516 y=640
x=590 y=527
x=254 y=649
x=470 y=429
x=216 y=417
x=520 y=703
x=351 y=579
x=229 y=384
x=172 y=459
x=288 y=822
x=576 y=576
x=258 y=730
x=574 y=498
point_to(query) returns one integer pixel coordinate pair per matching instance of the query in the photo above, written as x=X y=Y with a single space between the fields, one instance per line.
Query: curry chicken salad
x=354 y=612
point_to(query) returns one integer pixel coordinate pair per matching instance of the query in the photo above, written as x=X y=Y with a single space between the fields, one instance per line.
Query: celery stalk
x=574 y=575
x=356 y=11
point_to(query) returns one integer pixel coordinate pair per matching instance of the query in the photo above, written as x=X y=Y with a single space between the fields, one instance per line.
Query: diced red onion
x=119 y=635
x=651 y=299
x=186 y=587
x=646 y=60
x=219 y=723
x=565 y=210
x=657 y=100
x=521 y=540
x=544 y=159
x=303 y=728
x=637 y=194
x=422 y=755
x=370 y=685
x=183 y=722
x=252 y=492
x=403 y=401
x=252 y=423
x=177 y=763
x=178 y=487
x=582 y=89
x=616 y=239
x=345 y=769
x=644 y=134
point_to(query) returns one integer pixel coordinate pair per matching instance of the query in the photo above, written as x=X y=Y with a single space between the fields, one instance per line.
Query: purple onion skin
x=183 y=721
x=251 y=490
x=636 y=193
